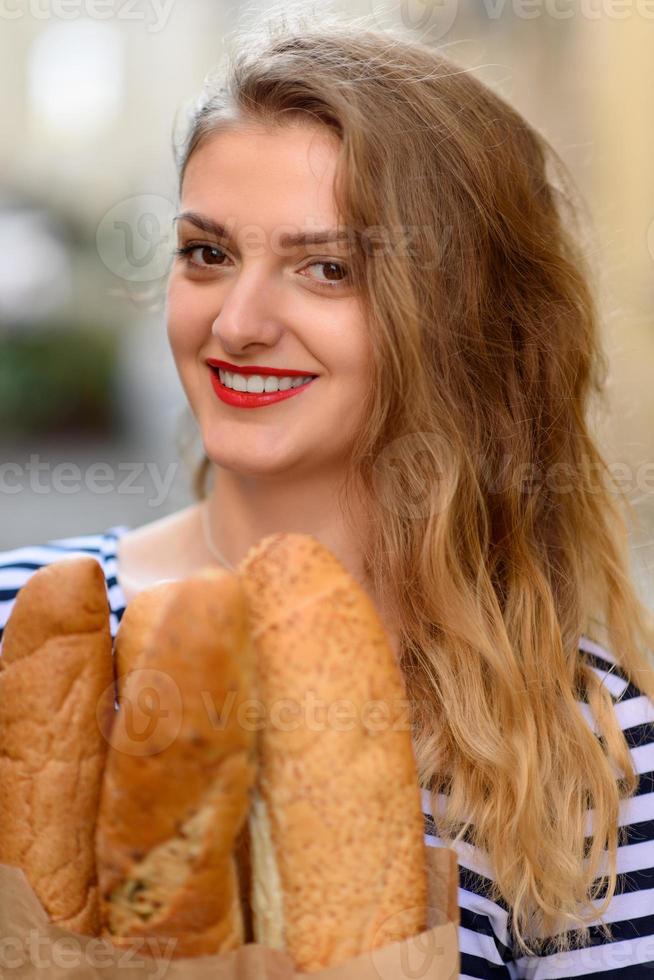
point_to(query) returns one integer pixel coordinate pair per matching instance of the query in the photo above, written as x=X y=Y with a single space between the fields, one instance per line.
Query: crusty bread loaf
x=56 y=704
x=336 y=822
x=139 y=620
x=176 y=790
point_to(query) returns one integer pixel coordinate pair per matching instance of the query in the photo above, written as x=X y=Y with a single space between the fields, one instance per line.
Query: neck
x=243 y=510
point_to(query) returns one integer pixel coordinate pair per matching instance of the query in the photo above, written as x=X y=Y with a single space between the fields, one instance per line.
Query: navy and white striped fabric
x=17 y=565
x=485 y=938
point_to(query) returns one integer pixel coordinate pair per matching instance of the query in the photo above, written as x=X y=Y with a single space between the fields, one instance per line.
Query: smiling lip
x=251 y=399
x=254 y=369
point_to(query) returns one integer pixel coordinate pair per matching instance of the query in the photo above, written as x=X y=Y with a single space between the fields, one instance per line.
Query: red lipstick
x=257 y=369
x=247 y=399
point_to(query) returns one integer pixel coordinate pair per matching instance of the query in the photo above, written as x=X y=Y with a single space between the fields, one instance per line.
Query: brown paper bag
x=33 y=948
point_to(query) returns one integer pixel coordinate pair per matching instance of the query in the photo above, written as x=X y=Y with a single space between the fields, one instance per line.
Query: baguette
x=138 y=621
x=175 y=799
x=56 y=704
x=336 y=824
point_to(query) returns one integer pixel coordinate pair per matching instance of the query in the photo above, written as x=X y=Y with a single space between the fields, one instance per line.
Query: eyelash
x=185 y=251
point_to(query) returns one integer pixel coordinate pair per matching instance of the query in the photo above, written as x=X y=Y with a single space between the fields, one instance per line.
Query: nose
x=245 y=315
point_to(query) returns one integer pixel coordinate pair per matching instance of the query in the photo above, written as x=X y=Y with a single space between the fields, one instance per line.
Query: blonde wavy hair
x=483 y=313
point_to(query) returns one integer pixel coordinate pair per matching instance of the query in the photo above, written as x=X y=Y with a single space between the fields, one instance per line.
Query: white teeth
x=257 y=383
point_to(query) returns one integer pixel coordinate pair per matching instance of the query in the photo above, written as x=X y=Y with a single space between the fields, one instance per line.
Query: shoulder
x=485 y=935
x=162 y=548
x=18 y=564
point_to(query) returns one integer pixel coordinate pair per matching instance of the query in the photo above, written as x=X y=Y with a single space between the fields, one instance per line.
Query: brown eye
x=332 y=266
x=210 y=255
x=329 y=281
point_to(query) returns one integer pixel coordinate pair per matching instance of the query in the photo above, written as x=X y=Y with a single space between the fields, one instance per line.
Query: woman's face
x=253 y=299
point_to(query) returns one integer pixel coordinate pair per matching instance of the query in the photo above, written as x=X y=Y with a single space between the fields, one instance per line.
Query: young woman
x=447 y=349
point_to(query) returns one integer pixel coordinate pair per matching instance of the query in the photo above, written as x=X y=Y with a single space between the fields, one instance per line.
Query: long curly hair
x=496 y=533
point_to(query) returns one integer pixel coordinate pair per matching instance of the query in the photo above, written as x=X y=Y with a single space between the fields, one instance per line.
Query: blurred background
x=91 y=408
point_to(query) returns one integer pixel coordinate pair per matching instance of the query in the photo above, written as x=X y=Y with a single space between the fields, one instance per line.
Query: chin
x=248 y=461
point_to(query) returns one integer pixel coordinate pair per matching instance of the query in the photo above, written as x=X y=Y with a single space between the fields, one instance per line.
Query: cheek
x=350 y=351
x=188 y=322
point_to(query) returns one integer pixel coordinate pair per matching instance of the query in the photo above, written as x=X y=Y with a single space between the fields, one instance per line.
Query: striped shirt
x=486 y=944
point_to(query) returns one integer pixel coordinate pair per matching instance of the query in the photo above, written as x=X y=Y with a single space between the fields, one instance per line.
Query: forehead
x=261 y=175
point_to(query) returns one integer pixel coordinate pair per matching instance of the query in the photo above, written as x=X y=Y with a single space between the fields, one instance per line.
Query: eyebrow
x=286 y=240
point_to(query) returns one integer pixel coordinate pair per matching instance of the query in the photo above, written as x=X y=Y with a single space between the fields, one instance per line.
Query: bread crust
x=336 y=823
x=175 y=798
x=56 y=703
x=139 y=619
